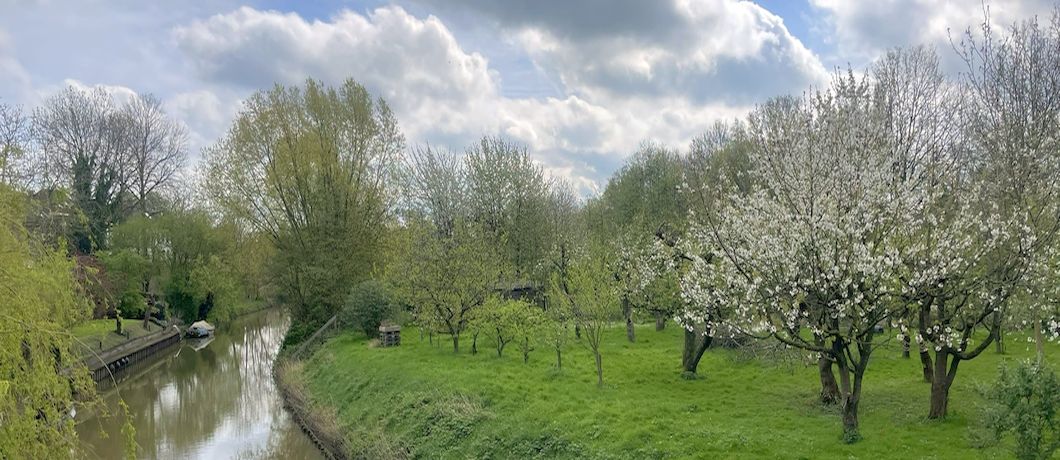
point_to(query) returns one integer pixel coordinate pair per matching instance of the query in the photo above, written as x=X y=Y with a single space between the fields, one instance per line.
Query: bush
x=367 y=306
x=1024 y=402
x=132 y=304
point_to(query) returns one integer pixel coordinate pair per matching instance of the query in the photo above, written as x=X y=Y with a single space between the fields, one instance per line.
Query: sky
x=582 y=83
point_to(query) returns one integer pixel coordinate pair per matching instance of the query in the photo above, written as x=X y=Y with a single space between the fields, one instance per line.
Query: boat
x=200 y=329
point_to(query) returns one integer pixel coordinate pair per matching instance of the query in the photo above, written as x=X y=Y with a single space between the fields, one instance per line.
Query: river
x=216 y=402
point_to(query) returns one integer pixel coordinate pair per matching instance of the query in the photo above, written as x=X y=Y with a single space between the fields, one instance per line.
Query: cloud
x=205 y=114
x=706 y=51
x=864 y=30
x=13 y=76
x=660 y=73
x=119 y=94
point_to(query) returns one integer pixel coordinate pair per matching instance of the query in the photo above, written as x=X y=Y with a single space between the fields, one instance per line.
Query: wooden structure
x=110 y=361
x=389 y=335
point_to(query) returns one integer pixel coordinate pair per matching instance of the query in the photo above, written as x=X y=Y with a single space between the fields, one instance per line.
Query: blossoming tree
x=808 y=258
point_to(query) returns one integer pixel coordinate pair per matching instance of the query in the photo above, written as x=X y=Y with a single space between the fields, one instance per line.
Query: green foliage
x=642 y=196
x=309 y=166
x=215 y=289
x=128 y=431
x=1024 y=403
x=556 y=329
x=127 y=272
x=367 y=306
x=591 y=298
x=201 y=269
x=39 y=369
x=446 y=278
x=508 y=195
x=510 y=320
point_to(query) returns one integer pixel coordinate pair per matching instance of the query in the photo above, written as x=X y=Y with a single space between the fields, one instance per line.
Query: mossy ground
x=420 y=400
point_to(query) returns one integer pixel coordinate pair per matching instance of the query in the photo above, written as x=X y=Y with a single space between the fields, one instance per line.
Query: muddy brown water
x=216 y=402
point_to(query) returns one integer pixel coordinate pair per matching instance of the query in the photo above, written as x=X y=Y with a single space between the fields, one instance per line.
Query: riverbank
x=97 y=335
x=218 y=401
x=421 y=400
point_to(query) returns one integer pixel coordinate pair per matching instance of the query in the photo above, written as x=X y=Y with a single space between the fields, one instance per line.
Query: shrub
x=1024 y=402
x=132 y=304
x=367 y=306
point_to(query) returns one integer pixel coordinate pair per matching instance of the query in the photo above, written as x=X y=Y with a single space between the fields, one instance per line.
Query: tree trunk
x=526 y=350
x=695 y=344
x=940 y=385
x=905 y=347
x=627 y=311
x=456 y=343
x=999 y=343
x=829 y=388
x=474 y=343
x=1039 y=342
x=850 y=411
x=925 y=363
x=660 y=321
x=851 y=392
x=599 y=369
x=577 y=331
x=559 y=359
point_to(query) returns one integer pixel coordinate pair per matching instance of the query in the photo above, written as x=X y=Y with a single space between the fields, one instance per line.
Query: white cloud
x=118 y=93
x=708 y=51
x=416 y=65
x=623 y=70
x=205 y=114
x=863 y=30
x=13 y=76
x=616 y=95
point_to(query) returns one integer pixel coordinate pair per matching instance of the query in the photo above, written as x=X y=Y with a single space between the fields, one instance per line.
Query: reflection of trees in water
x=222 y=392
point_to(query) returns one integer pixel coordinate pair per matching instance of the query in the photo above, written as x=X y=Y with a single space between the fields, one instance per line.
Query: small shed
x=389 y=335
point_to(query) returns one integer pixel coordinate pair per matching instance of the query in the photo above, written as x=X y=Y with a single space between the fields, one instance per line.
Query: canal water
x=215 y=402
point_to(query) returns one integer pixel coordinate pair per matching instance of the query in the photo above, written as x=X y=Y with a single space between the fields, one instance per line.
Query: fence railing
x=330 y=326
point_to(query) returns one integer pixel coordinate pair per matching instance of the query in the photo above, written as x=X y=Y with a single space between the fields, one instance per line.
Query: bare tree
x=157 y=148
x=83 y=145
x=14 y=136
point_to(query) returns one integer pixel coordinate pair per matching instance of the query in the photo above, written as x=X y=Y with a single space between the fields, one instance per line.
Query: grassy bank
x=420 y=400
x=99 y=333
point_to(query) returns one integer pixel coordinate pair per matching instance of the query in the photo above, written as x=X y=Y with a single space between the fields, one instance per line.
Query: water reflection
x=217 y=402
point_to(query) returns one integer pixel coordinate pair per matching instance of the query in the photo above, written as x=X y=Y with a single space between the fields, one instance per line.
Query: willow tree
x=41 y=378
x=310 y=167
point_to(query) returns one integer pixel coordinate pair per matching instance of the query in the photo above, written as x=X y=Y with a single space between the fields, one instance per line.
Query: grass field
x=95 y=332
x=424 y=400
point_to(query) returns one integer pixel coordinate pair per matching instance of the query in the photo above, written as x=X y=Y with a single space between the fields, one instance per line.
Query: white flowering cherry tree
x=982 y=227
x=808 y=258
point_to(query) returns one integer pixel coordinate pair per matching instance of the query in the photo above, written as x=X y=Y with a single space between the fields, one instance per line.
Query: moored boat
x=200 y=329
